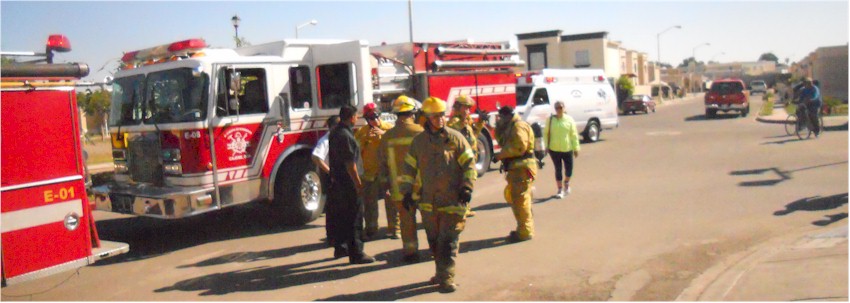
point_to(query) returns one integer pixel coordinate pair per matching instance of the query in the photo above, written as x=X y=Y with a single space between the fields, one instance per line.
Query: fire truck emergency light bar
x=174 y=51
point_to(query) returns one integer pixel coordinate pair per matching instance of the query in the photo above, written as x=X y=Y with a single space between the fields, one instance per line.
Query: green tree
x=769 y=57
x=96 y=104
x=625 y=84
x=240 y=42
x=7 y=60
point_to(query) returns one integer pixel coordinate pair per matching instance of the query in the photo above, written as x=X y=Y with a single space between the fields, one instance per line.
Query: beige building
x=829 y=66
x=551 y=49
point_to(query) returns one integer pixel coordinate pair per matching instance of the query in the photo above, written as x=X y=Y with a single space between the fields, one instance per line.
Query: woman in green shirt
x=563 y=144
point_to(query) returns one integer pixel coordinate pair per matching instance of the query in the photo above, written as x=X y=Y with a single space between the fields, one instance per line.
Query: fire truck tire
x=298 y=192
x=591 y=132
x=484 y=155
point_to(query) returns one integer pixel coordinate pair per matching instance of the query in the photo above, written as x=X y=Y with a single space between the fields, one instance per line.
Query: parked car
x=758 y=86
x=640 y=103
x=727 y=95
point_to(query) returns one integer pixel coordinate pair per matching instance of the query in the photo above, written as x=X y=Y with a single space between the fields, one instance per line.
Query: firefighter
x=369 y=138
x=463 y=123
x=517 y=156
x=394 y=146
x=443 y=160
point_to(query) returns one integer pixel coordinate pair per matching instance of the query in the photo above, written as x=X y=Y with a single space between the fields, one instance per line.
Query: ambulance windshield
x=522 y=94
x=177 y=95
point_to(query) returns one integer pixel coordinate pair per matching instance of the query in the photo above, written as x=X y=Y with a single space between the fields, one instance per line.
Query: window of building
x=582 y=59
x=253 y=98
x=537 y=57
x=335 y=85
x=300 y=87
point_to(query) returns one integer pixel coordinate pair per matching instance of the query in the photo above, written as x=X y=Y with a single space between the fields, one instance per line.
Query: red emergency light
x=160 y=53
x=58 y=43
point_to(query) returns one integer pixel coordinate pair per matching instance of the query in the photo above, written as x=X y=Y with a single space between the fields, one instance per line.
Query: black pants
x=564 y=159
x=345 y=217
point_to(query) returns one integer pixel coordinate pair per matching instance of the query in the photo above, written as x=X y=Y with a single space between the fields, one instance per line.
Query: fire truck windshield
x=177 y=95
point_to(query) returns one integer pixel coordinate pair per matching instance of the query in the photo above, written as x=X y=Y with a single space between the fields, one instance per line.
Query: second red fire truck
x=47 y=222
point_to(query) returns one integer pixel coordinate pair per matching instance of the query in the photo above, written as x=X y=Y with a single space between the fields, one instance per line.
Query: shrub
x=766 y=108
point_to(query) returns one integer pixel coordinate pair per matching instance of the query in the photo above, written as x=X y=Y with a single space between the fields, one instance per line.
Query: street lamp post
x=312 y=22
x=717 y=54
x=694 y=54
x=235 y=20
x=658 y=39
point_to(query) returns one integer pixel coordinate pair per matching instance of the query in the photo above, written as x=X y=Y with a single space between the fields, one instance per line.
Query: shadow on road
x=719 y=116
x=387 y=294
x=834 y=128
x=251 y=256
x=815 y=203
x=153 y=237
x=270 y=278
x=830 y=219
x=784 y=175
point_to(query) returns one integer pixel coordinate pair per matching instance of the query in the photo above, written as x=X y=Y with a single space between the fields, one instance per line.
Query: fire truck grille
x=144 y=159
x=121 y=203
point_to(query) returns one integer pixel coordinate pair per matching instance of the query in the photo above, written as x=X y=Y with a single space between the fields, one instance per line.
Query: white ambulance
x=587 y=97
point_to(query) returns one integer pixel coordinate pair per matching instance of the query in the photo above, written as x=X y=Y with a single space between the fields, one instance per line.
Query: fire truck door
x=45 y=222
x=237 y=130
x=343 y=74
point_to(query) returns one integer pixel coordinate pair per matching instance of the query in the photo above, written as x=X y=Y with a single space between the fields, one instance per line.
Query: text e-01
x=61 y=194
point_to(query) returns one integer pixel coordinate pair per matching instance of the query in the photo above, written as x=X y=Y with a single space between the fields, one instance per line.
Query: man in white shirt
x=320 y=158
x=320 y=153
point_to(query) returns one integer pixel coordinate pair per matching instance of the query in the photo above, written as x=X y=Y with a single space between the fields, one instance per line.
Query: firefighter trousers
x=443 y=230
x=407 y=224
x=518 y=196
x=371 y=194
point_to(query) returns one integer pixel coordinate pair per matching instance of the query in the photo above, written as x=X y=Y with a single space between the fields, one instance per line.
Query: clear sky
x=738 y=31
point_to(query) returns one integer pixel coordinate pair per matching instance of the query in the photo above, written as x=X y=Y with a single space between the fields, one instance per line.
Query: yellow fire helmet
x=404 y=104
x=465 y=100
x=433 y=105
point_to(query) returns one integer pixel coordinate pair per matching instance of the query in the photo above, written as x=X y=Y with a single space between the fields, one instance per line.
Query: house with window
x=552 y=49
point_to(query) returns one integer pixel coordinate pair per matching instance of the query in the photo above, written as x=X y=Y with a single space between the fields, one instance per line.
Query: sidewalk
x=810 y=265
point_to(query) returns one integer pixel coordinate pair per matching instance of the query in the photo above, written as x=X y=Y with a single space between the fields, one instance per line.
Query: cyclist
x=811 y=99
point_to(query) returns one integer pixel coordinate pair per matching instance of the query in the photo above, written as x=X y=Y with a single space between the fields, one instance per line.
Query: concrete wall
x=553 y=50
x=831 y=69
x=594 y=47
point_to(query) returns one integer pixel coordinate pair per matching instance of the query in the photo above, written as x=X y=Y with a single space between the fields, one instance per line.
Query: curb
x=719 y=280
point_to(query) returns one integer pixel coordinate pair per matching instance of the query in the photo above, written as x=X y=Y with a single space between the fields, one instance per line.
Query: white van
x=587 y=97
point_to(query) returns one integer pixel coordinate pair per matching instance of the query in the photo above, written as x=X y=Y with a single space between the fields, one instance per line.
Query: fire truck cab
x=196 y=129
x=47 y=223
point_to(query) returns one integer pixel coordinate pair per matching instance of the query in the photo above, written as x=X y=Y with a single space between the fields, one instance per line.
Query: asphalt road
x=654 y=204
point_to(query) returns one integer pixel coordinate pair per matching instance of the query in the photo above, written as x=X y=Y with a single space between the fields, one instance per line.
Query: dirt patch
x=568 y=288
x=673 y=272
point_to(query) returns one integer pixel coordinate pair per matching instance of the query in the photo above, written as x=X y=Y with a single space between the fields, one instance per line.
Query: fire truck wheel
x=591 y=133
x=484 y=155
x=298 y=192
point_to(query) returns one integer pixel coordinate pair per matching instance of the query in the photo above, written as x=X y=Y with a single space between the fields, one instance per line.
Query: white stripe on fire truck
x=482 y=90
x=36 y=216
x=40 y=183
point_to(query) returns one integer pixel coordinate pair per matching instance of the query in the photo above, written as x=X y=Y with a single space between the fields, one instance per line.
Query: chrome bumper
x=153 y=201
x=726 y=106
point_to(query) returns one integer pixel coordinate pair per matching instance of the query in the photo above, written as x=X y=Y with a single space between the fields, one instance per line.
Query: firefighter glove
x=465 y=195
x=408 y=202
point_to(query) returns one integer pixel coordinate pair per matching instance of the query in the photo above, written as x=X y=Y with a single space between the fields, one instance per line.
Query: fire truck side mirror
x=234 y=104
x=235 y=82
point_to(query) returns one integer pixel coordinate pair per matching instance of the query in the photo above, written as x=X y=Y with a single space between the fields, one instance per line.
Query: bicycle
x=802 y=127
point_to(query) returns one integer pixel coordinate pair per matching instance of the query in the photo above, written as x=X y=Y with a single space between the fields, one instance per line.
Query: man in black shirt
x=345 y=210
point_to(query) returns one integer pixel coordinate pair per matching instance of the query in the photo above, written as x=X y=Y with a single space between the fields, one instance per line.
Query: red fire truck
x=196 y=129
x=47 y=225
x=483 y=71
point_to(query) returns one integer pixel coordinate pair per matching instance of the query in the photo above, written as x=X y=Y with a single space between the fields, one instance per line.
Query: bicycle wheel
x=804 y=129
x=790 y=124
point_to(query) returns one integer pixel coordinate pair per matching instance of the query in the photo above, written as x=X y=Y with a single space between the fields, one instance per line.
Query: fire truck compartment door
x=353 y=52
x=45 y=222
